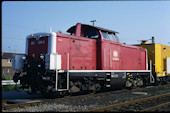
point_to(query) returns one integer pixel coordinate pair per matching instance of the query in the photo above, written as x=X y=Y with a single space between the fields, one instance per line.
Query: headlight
x=41 y=56
x=23 y=57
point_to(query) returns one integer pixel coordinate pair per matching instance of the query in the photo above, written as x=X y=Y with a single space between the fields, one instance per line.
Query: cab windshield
x=109 y=36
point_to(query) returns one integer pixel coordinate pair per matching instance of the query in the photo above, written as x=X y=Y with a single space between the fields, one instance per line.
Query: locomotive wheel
x=95 y=88
x=134 y=83
x=140 y=82
x=128 y=84
x=98 y=87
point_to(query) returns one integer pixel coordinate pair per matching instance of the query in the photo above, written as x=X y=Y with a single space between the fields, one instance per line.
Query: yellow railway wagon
x=160 y=56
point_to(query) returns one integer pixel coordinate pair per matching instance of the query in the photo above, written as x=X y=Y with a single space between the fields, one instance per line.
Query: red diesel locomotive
x=90 y=58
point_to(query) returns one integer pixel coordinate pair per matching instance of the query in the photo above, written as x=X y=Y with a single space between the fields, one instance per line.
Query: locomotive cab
x=93 y=32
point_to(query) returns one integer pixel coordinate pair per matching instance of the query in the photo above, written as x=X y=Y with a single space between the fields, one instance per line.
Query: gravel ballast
x=86 y=103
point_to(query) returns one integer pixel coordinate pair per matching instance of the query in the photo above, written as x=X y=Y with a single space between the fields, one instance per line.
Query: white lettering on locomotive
x=115 y=59
x=32 y=43
x=59 y=39
x=41 y=42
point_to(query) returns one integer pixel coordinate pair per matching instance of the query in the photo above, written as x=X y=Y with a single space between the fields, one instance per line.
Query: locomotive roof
x=72 y=29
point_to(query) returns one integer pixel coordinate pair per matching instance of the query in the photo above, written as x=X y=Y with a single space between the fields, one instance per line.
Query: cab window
x=112 y=37
x=105 y=35
x=115 y=38
x=109 y=36
x=91 y=33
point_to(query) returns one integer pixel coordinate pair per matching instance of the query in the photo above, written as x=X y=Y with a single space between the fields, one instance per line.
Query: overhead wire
x=18 y=26
x=9 y=37
x=4 y=37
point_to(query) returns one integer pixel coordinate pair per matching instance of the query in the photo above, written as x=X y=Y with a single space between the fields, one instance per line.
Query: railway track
x=144 y=104
x=157 y=107
x=7 y=106
x=10 y=106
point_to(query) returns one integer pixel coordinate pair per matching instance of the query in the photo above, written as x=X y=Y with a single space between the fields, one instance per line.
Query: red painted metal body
x=37 y=47
x=92 y=53
x=111 y=56
x=82 y=52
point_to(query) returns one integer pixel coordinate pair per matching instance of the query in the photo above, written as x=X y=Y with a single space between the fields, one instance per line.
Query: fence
x=9 y=82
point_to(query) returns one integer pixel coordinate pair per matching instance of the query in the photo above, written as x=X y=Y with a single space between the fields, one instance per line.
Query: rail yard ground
x=90 y=102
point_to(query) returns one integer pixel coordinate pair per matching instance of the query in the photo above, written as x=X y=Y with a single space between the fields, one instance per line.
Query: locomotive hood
x=40 y=43
x=37 y=37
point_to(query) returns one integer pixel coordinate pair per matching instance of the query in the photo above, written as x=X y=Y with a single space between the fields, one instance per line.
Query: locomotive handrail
x=68 y=71
x=152 y=80
x=67 y=79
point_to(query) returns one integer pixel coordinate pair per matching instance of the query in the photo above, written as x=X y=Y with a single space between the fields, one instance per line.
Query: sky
x=134 y=20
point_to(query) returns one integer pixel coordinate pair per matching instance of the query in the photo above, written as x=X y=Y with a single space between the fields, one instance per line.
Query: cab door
x=110 y=52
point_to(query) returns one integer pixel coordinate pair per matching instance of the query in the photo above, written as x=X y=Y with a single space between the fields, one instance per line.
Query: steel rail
x=115 y=106
x=154 y=108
